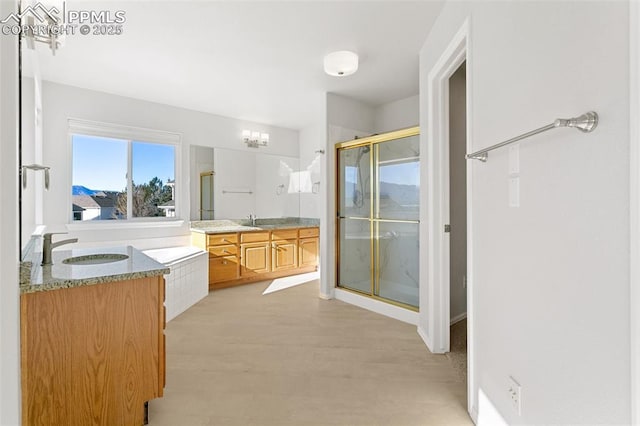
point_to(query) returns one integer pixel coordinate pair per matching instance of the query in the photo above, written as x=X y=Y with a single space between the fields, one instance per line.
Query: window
x=117 y=179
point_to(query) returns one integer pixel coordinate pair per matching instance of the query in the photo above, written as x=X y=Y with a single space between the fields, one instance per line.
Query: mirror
x=32 y=180
x=206 y=195
x=244 y=183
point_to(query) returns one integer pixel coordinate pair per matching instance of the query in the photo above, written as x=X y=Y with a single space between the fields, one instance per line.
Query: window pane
x=99 y=173
x=153 y=174
x=355 y=255
x=399 y=179
x=398 y=262
x=355 y=183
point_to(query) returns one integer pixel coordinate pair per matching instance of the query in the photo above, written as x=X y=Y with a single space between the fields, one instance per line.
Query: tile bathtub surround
x=60 y=275
x=188 y=281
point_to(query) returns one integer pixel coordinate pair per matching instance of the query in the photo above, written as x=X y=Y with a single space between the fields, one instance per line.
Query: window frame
x=130 y=135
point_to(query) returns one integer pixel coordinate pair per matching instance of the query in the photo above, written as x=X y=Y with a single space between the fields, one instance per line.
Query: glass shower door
x=396 y=216
x=378 y=217
x=354 y=212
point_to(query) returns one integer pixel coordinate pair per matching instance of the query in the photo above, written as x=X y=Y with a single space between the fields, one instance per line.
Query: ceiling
x=257 y=61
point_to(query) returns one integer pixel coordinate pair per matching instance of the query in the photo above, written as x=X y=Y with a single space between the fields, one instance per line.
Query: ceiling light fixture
x=341 y=63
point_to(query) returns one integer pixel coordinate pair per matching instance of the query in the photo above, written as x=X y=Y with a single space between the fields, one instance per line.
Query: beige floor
x=290 y=358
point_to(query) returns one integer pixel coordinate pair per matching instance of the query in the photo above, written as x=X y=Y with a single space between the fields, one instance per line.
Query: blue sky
x=101 y=163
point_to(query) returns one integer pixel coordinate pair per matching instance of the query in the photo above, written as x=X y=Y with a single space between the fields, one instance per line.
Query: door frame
x=634 y=217
x=437 y=334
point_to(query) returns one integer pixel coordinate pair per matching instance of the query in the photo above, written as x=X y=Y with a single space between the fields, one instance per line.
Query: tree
x=145 y=198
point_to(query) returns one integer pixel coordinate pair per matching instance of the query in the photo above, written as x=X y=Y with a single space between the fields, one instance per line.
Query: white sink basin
x=95 y=259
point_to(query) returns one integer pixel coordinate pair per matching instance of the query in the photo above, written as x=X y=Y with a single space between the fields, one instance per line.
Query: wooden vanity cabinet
x=284 y=249
x=223 y=257
x=255 y=253
x=245 y=257
x=309 y=247
x=92 y=355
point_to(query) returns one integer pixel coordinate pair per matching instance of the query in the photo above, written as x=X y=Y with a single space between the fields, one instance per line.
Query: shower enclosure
x=377 y=216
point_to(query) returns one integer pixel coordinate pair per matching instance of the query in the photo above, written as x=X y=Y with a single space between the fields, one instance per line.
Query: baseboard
x=458 y=318
x=425 y=338
x=325 y=296
x=382 y=308
x=473 y=413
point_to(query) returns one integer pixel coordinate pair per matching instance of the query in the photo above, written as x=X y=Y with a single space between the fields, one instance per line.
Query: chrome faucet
x=48 y=246
x=252 y=219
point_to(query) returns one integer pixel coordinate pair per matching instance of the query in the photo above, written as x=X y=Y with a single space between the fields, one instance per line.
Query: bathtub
x=188 y=281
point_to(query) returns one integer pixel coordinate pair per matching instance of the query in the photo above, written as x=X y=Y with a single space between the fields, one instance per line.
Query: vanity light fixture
x=341 y=63
x=255 y=139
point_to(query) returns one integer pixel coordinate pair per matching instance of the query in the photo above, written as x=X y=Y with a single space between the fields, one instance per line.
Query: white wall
x=61 y=102
x=312 y=139
x=396 y=115
x=551 y=278
x=9 y=224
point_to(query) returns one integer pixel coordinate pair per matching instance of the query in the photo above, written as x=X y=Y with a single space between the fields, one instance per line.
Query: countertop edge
x=71 y=283
x=243 y=228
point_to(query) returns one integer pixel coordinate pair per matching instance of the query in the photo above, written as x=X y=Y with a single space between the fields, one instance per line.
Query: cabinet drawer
x=253 y=237
x=228 y=250
x=309 y=232
x=284 y=234
x=223 y=268
x=221 y=239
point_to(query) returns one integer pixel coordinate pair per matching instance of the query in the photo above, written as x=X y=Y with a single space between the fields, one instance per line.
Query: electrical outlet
x=464 y=281
x=515 y=393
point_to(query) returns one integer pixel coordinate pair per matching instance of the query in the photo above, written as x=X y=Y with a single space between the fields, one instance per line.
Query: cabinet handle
x=225 y=251
x=224 y=262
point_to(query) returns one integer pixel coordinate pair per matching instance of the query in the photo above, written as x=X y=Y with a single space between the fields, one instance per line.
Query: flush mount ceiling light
x=341 y=63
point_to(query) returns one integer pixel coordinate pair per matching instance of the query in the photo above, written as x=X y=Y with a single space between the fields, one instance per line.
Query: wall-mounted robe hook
x=35 y=167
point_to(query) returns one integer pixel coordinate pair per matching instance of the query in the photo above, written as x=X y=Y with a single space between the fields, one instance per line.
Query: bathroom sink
x=95 y=259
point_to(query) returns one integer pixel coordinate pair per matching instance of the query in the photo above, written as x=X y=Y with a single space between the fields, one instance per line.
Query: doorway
x=458 y=220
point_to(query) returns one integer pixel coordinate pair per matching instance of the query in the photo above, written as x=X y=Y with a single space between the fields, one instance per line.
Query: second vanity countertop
x=220 y=226
x=60 y=275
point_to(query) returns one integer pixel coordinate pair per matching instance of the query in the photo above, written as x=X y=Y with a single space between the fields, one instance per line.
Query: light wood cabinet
x=245 y=257
x=255 y=258
x=284 y=255
x=93 y=354
x=224 y=260
x=223 y=268
x=308 y=252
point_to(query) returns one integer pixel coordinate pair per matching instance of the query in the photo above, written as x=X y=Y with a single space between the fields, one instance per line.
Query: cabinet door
x=255 y=259
x=284 y=255
x=223 y=269
x=308 y=252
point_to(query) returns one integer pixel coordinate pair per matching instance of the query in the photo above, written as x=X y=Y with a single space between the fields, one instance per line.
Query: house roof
x=106 y=199
x=96 y=201
x=82 y=202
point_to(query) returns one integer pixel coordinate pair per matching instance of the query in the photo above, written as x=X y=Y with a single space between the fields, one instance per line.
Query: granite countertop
x=60 y=275
x=221 y=226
